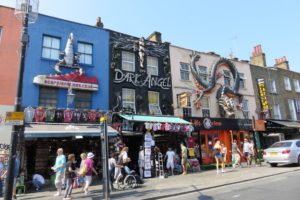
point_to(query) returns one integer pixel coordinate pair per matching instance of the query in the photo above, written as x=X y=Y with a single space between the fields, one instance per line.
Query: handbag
x=83 y=170
x=75 y=182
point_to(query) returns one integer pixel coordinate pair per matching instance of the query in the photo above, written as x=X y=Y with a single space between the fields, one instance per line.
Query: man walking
x=141 y=162
x=235 y=154
x=170 y=156
x=246 y=151
x=59 y=168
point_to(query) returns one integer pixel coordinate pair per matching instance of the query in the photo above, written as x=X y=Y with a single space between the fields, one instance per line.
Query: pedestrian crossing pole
x=104 y=146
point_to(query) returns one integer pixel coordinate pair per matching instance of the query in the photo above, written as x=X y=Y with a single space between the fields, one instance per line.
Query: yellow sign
x=14 y=118
x=262 y=94
x=102 y=119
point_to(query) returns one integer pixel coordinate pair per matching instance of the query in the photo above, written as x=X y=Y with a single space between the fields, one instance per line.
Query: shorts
x=170 y=164
x=141 y=163
x=88 y=180
x=81 y=179
x=246 y=154
x=218 y=156
x=59 y=179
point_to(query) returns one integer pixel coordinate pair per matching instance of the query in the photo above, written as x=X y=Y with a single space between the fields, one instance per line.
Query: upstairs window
x=291 y=104
x=86 y=53
x=273 y=86
x=202 y=71
x=287 y=83
x=83 y=99
x=242 y=80
x=153 y=99
x=205 y=107
x=297 y=85
x=51 y=47
x=128 y=61
x=1 y=32
x=152 y=65
x=128 y=98
x=245 y=108
x=48 y=97
x=187 y=111
x=184 y=71
x=276 y=112
x=227 y=77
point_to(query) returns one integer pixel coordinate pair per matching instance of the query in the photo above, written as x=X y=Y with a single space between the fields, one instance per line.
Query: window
x=245 y=108
x=297 y=104
x=187 y=111
x=292 y=109
x=51 y=47
x=184 y=71
x=205 y=107
x=153 y=99
x=48 y=97
x=152 y=65
x=1 y=30
x=276 y=111
x=287 y=84
x=83 y=99
x=202 y=71
x=297 y=85
x=273 y=86
x=242 y=80
x=128 y=98
x=298 y=143
x=226 y=78
x=128 y=61
x=86 y=53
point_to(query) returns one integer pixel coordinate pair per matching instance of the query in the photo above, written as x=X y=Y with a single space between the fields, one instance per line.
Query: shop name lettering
x=137 y=80
x=262 y=94
x=197 y=122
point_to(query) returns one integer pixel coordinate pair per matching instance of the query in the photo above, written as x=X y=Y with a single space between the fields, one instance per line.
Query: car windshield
x=281 y=144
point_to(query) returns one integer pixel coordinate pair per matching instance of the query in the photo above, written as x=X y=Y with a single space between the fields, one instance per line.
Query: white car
x=283 y=152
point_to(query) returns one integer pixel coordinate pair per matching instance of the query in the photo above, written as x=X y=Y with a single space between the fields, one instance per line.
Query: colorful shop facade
x=65 y=91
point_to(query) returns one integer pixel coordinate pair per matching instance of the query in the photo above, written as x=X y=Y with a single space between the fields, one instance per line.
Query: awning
x=291 y=124
x=64 y=130
x=149 y=118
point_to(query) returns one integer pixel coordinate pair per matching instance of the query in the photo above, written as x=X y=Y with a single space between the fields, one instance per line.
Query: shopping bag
x=75 y=183
x=83 y=170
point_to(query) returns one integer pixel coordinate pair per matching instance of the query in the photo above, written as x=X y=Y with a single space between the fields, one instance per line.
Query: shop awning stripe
x=148 y=118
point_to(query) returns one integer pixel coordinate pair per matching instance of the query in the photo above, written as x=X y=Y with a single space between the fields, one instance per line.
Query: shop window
x=202 y=71
x=210 y=145
x=184 y=71
x=297 y=85
x=287 y=83
x=48 y=97
x=128 y=61
x=83 y=99
x=152 y=65
x=291 y=104
x=51 y=47
x=203 y=146
x=205 y=107
x=226 y=77
x=276 y=111
x=273 y=86
x=242 y=80
x=245 y=108
x=128 y=98
x=153 y=99
x=86 y=53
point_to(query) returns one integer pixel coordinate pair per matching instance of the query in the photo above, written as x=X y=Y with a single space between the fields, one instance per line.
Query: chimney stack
x=282 y=63
x=99 y=24
x=258 y=58
x=155 y=37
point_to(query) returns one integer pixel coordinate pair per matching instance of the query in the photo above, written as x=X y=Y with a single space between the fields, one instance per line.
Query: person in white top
x=246 y=151
x=170 y=156
x=141 y=161
x=111 y=169
x=38 y=181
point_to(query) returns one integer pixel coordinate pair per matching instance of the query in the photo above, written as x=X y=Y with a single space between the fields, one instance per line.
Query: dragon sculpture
x=225 y=93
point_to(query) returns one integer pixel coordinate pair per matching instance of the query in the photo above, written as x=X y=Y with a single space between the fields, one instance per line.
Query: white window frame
x=184 y=72
x=86 y=56
x=297 y=85
x=202 y=71
x=152 y=67
x=154 y=108
x=297 y=104
x=276 y=111
x=245 y=108
x=53 y=51
x=128 y=65
x=243 y=80
x=126 y=103
x=227 y=76
x=292 y=109
x=207 y=109
x=287 y=83
x=273 y=88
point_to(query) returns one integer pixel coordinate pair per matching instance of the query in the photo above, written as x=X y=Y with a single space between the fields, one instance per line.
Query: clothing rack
x=160 y=166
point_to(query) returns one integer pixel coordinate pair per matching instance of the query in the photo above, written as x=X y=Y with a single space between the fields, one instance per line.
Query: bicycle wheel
x=130 y=181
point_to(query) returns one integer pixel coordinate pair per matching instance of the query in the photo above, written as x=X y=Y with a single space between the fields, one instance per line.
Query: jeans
x=37 y=184
x=69 y=187
x=1 y=188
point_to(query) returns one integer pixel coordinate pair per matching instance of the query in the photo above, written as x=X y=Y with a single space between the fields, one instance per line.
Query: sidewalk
x=154 y=188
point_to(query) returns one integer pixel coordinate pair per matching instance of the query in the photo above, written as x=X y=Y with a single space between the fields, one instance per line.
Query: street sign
x=14 y=118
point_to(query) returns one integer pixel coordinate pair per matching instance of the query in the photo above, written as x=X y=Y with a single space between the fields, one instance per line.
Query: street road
x=281 y=187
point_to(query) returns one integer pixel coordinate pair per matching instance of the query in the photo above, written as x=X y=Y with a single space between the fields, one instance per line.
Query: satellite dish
x=29 y=7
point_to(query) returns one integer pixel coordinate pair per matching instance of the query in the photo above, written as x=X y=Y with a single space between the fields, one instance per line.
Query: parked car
x=283 y=152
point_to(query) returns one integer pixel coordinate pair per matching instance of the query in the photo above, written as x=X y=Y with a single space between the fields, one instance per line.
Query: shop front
x=207 y=130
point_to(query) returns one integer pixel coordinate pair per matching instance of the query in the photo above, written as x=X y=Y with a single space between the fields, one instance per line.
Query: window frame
x=202 y=73
x=242 y=80
x=152 y=106
x=51 y=48
x=184 y=71
x=227 y=76
x=187 y=111
x=128 y=61
x=297 y=85
x=291 y=104
x=48 y=92
x=273 y=87
x=83 y=99
x=287 y=83
x=152 y=66
x=205 y=110
x=278 y=112
x=129 y=102
x=84 y=53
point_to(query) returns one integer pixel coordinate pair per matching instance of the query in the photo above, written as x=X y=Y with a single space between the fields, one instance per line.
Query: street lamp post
x=26 y=10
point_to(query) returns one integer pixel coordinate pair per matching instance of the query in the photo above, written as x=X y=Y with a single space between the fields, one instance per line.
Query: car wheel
x=273 y=164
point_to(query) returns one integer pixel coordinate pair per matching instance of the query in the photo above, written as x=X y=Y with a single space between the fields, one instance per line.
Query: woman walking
x=218 y=155
x=69 y=176
x=81 y=178
x=89 y=162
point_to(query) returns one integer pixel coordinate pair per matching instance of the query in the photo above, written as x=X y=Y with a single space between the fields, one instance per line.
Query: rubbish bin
x=52 y=180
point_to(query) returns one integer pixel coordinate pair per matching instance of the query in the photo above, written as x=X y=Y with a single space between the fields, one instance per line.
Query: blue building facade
x=48 y=38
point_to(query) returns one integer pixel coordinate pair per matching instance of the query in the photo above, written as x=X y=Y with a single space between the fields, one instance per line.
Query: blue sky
x=211 y=25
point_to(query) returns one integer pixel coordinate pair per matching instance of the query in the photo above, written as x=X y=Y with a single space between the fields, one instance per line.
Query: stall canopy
x=147 y=118
x=64 y=130
x=288 y=124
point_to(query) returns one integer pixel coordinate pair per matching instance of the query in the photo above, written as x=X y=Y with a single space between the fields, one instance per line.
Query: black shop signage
x=205 y=123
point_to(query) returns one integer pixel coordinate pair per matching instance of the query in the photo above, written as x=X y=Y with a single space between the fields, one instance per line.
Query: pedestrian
x=16 y=174
x=59 y=169
x=252 y=153
x=246 y=151
x=111 y=169
x=141 y=162
x=69 y=176
x=3 y=172
x=89 y=162
x=218 y=156
x=236 y=158
x=183 y=158
x=170 y=157
x=38 y=181
x=224 y=153
x=81 y=178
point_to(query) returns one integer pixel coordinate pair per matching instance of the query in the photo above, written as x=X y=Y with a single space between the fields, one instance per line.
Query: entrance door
x=207 y=141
